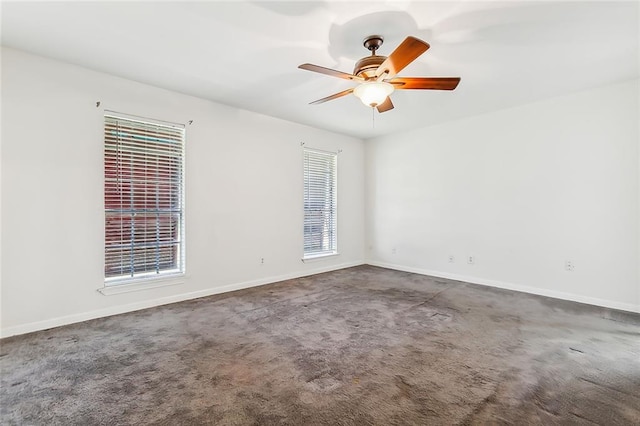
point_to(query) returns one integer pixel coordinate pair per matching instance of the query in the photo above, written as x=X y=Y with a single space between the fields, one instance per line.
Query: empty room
x=320 y=213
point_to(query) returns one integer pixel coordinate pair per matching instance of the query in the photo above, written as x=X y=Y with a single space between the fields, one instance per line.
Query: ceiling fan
x=377 y=74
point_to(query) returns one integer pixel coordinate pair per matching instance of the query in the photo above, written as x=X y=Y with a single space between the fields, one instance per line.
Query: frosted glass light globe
x=373 y=93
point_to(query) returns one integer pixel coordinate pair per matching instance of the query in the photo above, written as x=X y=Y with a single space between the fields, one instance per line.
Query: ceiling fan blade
x=404 y=54
x=332 y=97
x=329 y=71
x=386 y=105
x=432 y=83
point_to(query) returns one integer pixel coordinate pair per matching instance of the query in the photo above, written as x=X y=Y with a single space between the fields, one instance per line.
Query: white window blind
x=144 y=199
x=320 y=203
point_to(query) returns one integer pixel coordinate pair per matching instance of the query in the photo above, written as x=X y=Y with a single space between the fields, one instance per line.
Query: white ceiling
x=246 y=54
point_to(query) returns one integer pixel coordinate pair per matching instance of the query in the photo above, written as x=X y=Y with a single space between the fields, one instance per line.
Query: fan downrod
x=367 y=66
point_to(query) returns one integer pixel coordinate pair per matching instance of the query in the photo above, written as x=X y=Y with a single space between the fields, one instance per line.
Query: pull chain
x=373 y=118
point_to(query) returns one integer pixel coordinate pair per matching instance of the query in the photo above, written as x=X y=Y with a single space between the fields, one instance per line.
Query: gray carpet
x=360 y=346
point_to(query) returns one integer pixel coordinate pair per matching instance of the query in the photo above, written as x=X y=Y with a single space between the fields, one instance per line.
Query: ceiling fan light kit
x=377 y=74
x=373 y=93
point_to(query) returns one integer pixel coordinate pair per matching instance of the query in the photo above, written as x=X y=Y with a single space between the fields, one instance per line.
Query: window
x=320 y=203
x=143 y=198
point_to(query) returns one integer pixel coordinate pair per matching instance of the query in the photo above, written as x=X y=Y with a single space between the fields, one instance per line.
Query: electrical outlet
x=569 y=266
x=393 y=250
x=262 y=260
x=451 y=258
x=471 y=260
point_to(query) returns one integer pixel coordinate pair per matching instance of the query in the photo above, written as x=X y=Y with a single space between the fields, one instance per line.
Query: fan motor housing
x=367 y=66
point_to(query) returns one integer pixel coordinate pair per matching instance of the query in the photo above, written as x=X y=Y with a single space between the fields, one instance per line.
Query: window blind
x=143 y=198
x=320 y=203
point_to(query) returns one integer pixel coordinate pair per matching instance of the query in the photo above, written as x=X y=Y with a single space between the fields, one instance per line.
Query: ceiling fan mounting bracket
x=373 y=42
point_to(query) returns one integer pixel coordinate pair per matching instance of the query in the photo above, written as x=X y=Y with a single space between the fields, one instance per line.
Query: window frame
x=148 y=278
x=332 y=248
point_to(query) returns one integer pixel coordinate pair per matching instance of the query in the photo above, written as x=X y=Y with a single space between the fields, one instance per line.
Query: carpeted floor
x=360 y=346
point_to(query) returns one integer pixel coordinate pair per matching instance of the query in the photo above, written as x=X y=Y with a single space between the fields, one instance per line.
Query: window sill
x=112 y=289
x=315 y=257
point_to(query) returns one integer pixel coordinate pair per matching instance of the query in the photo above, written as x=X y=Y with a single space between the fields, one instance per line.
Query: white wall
x=243 y=194
x=522 y=190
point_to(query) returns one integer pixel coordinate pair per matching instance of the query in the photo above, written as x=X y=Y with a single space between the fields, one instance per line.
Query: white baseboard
x=630 y=307
x=116 y=310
